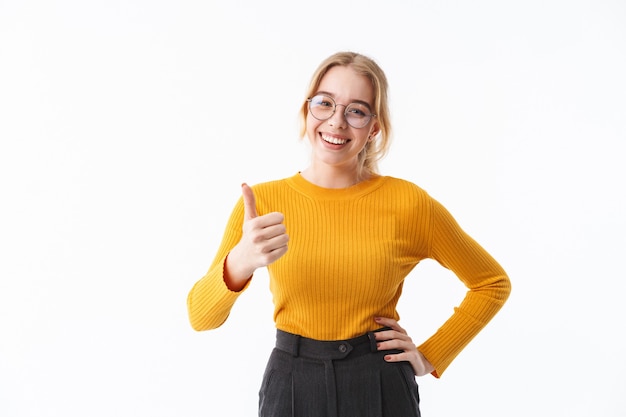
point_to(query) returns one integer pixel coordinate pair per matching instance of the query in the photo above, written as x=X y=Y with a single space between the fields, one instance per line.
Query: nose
x=338 y=119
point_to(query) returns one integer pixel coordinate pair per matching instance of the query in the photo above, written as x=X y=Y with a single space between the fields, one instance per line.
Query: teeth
x=334 y=141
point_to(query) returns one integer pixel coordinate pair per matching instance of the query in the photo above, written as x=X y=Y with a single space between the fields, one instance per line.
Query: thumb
x=249 y=202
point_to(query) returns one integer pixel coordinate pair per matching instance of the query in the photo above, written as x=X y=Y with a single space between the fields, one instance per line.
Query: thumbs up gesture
x=264 y=240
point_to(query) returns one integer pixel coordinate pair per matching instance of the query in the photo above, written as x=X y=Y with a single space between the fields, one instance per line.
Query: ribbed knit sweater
x=349 y=252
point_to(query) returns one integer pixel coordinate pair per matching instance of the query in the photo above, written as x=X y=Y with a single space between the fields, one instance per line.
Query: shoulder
x=404 y=187
x=272 y=195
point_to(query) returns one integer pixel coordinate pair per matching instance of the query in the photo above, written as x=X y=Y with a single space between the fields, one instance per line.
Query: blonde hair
x=375 y=149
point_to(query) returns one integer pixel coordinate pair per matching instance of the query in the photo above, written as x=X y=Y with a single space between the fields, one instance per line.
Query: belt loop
x=373 y=342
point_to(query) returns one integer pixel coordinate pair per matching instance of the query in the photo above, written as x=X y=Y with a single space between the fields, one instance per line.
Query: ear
x=375 y=130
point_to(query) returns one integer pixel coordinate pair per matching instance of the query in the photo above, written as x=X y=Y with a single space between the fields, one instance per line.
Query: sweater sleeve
x=210 y=301
x=487 y=282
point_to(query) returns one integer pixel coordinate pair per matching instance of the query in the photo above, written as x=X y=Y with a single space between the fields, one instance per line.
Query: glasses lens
x=322 y=107
x=358 y=115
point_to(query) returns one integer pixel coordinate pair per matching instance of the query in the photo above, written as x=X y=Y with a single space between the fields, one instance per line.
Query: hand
x=264 y=240
x=398 y=339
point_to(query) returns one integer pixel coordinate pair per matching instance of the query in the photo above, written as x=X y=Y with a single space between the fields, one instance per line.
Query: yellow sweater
x=349 y=253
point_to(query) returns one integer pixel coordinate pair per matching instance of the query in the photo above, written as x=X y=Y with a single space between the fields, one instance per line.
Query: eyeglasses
x=357 y=114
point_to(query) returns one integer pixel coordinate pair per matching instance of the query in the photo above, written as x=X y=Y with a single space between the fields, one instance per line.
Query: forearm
x=210 y=300
x=469 y=318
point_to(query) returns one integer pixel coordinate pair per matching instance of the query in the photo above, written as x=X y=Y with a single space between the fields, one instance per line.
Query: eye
x=322 y=101
x=357 y=110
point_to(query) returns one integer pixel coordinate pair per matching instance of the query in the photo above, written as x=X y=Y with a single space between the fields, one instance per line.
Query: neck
x=332 y=177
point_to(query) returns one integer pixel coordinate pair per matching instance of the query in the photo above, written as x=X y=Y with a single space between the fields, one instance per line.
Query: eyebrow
x=365 y=103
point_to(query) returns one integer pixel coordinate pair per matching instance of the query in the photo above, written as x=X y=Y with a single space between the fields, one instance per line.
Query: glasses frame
x=345 y=112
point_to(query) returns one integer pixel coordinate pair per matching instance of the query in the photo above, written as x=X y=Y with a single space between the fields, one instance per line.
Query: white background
x=127 y=128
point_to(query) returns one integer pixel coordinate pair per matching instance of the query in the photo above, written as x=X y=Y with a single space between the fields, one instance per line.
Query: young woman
x=336 y=277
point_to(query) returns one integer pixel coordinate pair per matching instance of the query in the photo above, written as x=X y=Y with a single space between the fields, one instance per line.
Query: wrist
x=235 y=274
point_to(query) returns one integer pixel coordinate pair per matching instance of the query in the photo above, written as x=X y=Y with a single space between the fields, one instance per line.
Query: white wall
x=127 y=127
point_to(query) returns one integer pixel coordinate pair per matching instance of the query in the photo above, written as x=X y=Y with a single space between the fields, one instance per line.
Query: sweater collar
x=299 y=183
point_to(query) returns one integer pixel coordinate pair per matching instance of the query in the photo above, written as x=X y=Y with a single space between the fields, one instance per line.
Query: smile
x=334 y=140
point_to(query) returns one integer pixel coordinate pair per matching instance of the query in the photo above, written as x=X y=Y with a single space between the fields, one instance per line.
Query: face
x=334 y=142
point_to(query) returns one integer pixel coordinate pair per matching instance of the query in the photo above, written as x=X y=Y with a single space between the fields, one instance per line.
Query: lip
x=333 y=140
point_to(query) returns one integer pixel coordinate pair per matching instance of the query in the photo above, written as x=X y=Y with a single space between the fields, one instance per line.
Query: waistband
x=297 y=345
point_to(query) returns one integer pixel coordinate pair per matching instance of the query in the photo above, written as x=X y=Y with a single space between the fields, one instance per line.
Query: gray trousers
x=345 y=378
